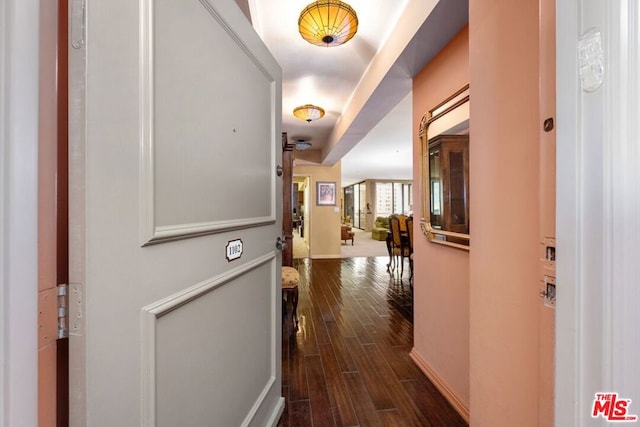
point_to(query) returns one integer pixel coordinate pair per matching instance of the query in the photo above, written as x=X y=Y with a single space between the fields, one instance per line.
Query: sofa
x=380 y=228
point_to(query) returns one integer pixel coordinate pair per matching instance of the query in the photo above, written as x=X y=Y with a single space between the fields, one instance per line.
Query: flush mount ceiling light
x=302 y=145
x=308 y=112
x=328 y=23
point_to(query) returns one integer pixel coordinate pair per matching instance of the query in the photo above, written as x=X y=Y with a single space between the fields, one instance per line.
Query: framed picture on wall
x=325 y=193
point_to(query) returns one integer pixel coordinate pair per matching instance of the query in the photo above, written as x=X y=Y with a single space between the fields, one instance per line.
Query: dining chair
x=399 y=249
x=409 y=242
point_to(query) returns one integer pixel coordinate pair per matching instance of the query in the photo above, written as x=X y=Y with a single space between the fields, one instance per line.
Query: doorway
x=301 y=216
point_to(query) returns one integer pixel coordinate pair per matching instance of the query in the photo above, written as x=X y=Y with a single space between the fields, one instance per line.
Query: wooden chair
x=409 y=242
x=346 y=234
x=399 y=249
x=290 y=283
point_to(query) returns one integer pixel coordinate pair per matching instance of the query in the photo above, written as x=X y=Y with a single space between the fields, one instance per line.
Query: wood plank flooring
x=348 y=363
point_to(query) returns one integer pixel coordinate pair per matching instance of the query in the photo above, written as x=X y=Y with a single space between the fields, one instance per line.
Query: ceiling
x=363 y=85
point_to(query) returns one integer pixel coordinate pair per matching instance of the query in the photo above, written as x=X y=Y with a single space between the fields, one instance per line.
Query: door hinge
x=63 y=322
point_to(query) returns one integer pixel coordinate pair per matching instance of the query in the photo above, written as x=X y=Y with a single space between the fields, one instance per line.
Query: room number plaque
x=234 y=249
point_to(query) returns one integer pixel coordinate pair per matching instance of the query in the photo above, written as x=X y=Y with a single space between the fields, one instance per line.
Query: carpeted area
x=300 y=248
x=363 y=246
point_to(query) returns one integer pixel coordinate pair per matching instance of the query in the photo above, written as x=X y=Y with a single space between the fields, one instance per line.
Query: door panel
x=178 y=368
x=189 y=157
x=167 y=167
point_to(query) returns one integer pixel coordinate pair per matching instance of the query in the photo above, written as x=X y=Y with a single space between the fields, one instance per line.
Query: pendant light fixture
x=308 y=112
x=328 y=23
x=302 y=145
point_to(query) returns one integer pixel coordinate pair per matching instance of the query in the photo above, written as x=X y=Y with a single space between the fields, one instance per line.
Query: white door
x=175 y=131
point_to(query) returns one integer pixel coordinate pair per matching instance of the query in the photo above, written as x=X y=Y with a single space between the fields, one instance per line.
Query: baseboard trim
x=326 y=256
x=441 y=385
x=277 y=413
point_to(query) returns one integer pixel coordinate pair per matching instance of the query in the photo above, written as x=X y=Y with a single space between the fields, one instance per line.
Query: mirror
x=444 y=137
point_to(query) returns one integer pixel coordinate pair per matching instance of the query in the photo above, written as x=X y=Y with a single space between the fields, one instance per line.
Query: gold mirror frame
x=457 y=240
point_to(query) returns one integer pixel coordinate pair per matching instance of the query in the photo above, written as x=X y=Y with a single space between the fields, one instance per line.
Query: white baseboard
x=326 y=256
x=275 y=416
x=461 y=407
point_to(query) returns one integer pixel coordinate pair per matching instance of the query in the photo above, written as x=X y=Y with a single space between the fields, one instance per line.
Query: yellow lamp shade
x=328 y=23
x=308 y=112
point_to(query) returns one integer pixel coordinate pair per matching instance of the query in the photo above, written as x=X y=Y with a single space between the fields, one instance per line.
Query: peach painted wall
x=324 y=221
x=47 y=214
x=505 y=207
x=547 y=205
x=441 y=276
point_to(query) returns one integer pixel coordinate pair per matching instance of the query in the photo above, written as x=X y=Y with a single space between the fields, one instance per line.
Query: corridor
x=348 y=363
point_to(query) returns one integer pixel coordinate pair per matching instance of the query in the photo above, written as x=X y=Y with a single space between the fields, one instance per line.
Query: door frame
x=307 y=214
x=287 y=189
x=19 y=52
x=596 y=227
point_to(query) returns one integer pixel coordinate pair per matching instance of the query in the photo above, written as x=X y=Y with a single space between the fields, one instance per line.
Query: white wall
x=18 y=211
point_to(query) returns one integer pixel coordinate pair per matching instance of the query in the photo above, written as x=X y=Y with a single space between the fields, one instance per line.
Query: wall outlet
x=549 y=293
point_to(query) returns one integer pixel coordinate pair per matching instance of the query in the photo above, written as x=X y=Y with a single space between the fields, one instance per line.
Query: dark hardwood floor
x=348 y=363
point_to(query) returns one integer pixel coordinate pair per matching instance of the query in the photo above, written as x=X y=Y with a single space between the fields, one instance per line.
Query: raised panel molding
x=150 y=231
x=151 y=313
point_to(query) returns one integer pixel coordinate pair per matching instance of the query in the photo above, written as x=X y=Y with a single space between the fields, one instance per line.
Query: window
x=355 y=204
x=393 y=198
x=390 y=198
